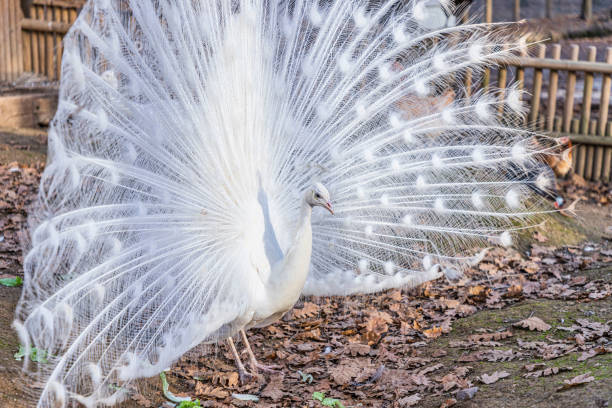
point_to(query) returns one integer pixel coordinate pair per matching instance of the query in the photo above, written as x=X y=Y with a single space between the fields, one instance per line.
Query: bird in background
x=211 y=161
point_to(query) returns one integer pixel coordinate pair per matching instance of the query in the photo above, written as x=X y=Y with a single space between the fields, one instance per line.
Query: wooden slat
x=604 y=105
x=27 y=51
x=575 y=128
x=501 y=83
x=65 y=19
x=38 y=24
x=552 y=89
x=590 y=152
x=593 y=140
x=4 y=38
x=49 y=45
x=607 y=167
x=585 y=116
x=517 y=10
x=587 y=9
x=12 y=17
x=520 y=76
x=34 y=46
x=537 y=87
x=570 y=88
x=39 y=51
x=560 y=65
x=468 y=82
x=9 y=40
x=70 y=4
x=19 y=17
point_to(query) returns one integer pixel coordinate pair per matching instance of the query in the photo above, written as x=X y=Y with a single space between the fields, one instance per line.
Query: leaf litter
x=352 y=354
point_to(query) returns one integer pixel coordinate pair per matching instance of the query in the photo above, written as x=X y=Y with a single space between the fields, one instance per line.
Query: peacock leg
x=243 y=374
x=256 y=365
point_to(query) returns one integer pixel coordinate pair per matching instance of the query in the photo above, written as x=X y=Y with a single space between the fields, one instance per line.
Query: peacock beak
x=329 y=208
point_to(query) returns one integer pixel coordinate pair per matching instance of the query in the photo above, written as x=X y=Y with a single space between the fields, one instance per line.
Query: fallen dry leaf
x=225 y=379
x=478 y=293
x=419 y=379
x=535 y=366
x=546 y=372
x=500 y=355
x=395 y=295
x=358 y=349
x=433 y=332
x=579 y=380
x=409 y=401
x=533 y=323
x=594 y=352
x=343 y=373
x=376 y=325
x=491 y=378
x=310 y=309
x=448 y=403
x=515 y=291
x=274 y=389
x=142 y=401
x=490 y=336
x=206 y=390
x=430 y=369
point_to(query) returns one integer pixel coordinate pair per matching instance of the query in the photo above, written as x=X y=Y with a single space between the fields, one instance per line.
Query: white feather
x=178 y=188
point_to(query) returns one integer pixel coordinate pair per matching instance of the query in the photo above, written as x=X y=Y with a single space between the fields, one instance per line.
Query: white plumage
x=176 y=204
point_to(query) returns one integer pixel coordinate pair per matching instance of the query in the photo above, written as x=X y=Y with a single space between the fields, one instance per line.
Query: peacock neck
x=288 y=278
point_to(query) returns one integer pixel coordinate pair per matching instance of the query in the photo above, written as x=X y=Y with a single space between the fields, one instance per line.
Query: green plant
x=37 y=356
x=189 y=404
x=327 y=402
x=16 y=281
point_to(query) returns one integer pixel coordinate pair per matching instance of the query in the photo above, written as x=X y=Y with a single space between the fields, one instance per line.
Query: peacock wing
x=147 y=234
x=417 y=162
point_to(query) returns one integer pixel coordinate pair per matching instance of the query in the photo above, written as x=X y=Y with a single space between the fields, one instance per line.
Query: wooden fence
x=586 y=9
x=556 y=106
x=10 y=40
x=32 y=42
x=31 y=39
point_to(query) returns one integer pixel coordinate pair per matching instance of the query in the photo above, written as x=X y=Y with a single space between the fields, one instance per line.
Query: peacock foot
x=256 y=366
x=246 y=377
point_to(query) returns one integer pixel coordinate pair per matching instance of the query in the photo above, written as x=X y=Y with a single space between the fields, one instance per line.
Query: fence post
x=585 y=159
x=537 y=88
x=568 y=112
x=549 y=8
x=11 y=64
x=552 y=89
x=587 y=9
x=489 y=11
x=603 y=157
x=517 y=10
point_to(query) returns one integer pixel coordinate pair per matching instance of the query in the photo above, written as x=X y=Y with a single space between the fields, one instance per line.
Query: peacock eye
x=317 y=195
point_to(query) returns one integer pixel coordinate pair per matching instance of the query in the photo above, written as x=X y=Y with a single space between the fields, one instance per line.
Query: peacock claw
x=257 y=366
x=246 y=377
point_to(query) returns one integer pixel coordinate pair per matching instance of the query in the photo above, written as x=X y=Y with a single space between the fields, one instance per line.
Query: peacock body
x=191 y=143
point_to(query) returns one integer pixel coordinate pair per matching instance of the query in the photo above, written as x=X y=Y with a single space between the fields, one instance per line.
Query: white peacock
x=193 y=139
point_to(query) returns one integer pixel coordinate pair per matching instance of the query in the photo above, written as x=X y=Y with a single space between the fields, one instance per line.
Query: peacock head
x=319 y=196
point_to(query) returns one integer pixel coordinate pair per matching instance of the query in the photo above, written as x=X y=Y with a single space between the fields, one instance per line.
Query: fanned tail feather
x=174 y=116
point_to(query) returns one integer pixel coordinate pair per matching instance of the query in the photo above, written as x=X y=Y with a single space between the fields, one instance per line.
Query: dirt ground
x=433 y=346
